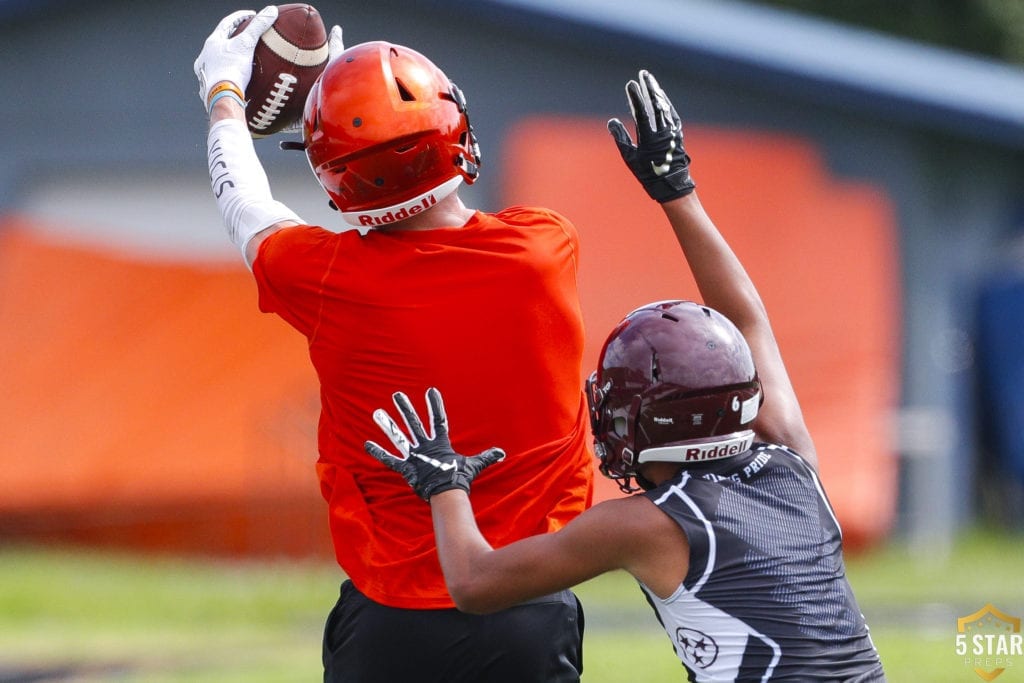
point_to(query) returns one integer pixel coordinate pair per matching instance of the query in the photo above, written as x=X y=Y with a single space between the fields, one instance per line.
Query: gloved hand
x=658 y=159
x=335 y=45
x=429 y=465
x=227 y=58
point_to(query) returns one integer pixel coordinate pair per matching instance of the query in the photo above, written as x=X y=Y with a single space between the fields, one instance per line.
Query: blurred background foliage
x=988 y=28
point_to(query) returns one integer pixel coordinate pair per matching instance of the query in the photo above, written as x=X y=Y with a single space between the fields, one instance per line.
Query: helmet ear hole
x=404 y=92
x=620 y=426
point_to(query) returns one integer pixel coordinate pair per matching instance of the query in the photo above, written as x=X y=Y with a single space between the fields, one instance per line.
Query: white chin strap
x=727 y=447
x=389 y=215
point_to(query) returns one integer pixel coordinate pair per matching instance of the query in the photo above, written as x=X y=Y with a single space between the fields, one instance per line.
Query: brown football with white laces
x=287 y=60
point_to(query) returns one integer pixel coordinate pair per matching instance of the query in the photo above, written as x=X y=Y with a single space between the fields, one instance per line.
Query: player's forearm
x=725 y=286
x=462 y=550
x=482 y=580
x=722 y=280
x=238 y=180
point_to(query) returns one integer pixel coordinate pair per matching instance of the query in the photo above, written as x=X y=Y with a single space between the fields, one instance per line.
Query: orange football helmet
x=387 y=134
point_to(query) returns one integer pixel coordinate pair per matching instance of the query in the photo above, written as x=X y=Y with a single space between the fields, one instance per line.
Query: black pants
x=540 y=641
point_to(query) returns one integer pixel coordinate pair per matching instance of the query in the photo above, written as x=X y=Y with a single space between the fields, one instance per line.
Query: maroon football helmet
x=675 y=382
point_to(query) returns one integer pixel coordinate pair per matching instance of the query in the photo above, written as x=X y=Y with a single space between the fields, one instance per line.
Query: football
x=288 y=59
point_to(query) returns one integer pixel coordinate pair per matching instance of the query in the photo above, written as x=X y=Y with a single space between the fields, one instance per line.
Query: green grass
x=912 y=600
x=163 y=620
x=130 y=618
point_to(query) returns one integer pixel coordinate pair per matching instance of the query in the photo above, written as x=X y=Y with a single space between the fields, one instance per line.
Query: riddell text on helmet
x=722 y=451
x=395 y=216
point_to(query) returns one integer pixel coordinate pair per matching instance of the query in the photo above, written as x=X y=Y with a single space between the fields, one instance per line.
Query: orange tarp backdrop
x=822 y=252
x=151 y=405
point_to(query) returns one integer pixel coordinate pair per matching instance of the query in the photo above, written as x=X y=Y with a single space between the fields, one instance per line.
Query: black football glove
x=429 y=465
x=658 y=159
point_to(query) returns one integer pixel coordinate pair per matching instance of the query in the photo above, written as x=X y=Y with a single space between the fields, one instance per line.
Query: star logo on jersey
x=699 y=649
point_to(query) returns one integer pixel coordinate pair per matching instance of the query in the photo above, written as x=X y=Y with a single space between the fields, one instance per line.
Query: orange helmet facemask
x=387 y=134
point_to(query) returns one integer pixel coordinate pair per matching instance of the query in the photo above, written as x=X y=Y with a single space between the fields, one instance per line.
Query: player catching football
x=393 y=306
x=733 y=539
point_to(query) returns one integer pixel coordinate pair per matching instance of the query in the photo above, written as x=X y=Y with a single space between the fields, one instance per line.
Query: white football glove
x=335 y=46
x=226 y=58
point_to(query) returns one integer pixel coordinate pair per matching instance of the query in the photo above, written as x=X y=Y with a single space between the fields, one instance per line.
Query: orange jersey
x=488 y=313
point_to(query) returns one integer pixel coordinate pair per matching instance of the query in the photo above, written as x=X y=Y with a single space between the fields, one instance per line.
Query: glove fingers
x=219 y=35
x=621 y=135
x=475 y=465
x=402 y=467
x=656 y=102
x=393 y=432
x=228 y=23
x=409 y=416
x=666 y=104
x=657 y=159
x=438 y=416
x=665 y=116
x=639 y=107
x=492 y=455
x=258 y=26
x=335 y=45
x=677 y=123
x=381 y=455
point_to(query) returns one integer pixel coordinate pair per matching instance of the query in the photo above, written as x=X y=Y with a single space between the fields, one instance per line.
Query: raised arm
x=239 y=183
x=660 y=162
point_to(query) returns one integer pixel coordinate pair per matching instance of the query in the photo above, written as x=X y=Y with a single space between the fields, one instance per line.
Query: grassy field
x=86 y=616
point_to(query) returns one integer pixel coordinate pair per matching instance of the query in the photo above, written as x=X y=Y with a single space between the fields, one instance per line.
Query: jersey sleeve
x=540 y=218
x=525 y=216
x=289 y=270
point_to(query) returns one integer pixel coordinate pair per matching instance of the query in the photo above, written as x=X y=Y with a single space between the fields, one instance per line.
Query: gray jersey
x=766 y=596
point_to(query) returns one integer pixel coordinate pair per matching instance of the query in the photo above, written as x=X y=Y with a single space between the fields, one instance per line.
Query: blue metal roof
x=12 y=9
x=776 y=50
x=810 y=57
